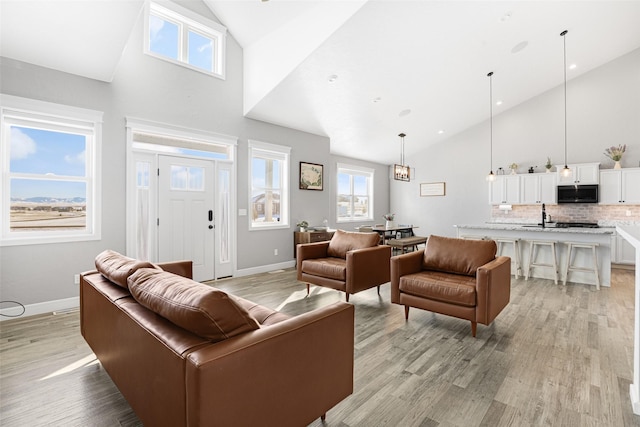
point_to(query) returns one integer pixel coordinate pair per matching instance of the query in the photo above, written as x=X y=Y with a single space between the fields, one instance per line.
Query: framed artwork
x=432 y=189
x=311 y=175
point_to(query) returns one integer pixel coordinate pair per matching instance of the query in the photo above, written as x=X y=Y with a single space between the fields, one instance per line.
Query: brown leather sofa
x=350 y=262
x=184 y=353
x=456 y=277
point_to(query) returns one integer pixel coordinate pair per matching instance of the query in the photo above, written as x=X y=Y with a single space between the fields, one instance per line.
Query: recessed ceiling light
x=332 y=78
x=404 y=112
x=498 y=102
x=520 y=46
x=573 y=66
x=377 y=99
x=441 y=131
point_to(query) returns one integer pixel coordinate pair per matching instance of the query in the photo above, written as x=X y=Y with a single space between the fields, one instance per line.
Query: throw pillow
x=204 y=310
x=117 y=267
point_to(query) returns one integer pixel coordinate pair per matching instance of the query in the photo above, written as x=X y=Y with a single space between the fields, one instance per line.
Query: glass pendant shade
x=491 y=176
x=401 y=172
x=565 y=171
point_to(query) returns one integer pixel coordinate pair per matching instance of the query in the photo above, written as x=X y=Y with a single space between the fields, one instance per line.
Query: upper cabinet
x=618 y=186
x=505 y=189
x=584 y=173
x=537 y=188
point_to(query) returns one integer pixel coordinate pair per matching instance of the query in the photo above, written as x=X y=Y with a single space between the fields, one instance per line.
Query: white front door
x=186 y=213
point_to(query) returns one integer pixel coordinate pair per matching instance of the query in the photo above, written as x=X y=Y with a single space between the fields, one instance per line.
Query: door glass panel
x=143 y=197
x=224 y=201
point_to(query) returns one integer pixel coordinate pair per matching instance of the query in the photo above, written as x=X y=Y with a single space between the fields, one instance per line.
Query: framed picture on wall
x=311 y=176
x=432 y=189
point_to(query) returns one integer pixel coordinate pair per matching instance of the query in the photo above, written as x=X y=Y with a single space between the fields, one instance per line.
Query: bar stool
x=533 y=244
x=570 y=267
x=501 y=241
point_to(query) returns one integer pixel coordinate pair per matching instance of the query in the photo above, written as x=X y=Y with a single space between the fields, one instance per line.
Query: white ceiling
x=429 y=57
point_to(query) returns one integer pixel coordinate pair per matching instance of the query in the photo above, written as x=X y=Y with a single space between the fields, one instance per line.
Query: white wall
x=41 y=276
x=603 y=110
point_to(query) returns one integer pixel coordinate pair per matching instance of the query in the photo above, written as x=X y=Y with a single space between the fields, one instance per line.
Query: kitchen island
x=528 y=232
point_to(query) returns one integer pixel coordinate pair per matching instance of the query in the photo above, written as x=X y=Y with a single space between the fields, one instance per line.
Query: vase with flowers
x=514 y=168
x=389 y=220
x=615 y=154
x=548 y=165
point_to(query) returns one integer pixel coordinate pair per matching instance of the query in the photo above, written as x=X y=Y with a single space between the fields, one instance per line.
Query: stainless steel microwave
x=578 y=193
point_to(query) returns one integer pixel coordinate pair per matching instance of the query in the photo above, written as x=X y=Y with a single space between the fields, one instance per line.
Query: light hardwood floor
x=556 y=356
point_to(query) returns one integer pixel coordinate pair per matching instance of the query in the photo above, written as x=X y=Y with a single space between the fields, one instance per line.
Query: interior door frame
x=150 y=156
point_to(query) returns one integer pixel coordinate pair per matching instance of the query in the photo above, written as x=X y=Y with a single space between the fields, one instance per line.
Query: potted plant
x=513 y=167
x=615 y=154
x=303 y=225
x=548 y=165
x=389 y=220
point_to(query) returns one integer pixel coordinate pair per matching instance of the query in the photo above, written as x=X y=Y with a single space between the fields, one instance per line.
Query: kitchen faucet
x=544 y=214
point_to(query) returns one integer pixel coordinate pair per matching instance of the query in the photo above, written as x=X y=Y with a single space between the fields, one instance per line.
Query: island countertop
x=550 y=228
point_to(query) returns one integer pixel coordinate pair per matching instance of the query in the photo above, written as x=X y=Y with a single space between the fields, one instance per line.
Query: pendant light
x=565 y=171
x=402 y=172
x=491 y=176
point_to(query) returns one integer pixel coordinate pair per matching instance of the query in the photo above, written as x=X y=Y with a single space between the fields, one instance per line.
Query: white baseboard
x=39 y=308
x=264 y=268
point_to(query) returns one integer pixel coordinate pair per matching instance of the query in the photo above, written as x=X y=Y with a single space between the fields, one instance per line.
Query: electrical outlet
x=76 y=279
x=275 y=252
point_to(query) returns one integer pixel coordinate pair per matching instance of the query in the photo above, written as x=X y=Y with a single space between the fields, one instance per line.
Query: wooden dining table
x=391 y=232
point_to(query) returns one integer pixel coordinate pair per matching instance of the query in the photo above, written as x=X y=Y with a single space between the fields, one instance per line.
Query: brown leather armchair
x=456 y=277
x=350 y=262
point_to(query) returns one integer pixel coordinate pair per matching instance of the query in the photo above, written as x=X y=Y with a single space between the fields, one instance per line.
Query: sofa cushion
x=117 y=267
x=331 y=268
x=196 y=307
x=345 y=241
x=439 y=286
x=457 y=256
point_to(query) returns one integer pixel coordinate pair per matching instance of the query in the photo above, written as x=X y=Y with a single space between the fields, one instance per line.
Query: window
x=178 y=35
x=49 y=172
x=269 y=178
x=355 y=193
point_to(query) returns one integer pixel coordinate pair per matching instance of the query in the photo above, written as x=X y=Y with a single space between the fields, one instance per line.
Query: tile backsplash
x=604 y=215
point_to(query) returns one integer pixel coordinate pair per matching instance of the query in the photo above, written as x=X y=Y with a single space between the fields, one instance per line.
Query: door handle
x=210 y=215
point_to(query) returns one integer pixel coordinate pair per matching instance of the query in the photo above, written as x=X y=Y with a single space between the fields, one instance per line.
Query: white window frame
x=360 y=171
x=187 y=21
x=275 y=152
x=50 y=116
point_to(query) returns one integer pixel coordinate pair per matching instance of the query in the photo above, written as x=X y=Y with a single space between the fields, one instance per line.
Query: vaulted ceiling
x=357 y=71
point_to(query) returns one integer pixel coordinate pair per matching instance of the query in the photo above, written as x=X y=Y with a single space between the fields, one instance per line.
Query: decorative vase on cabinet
x=617 y=165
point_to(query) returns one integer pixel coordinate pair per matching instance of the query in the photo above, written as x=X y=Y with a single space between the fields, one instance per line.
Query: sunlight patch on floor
x=85 y=361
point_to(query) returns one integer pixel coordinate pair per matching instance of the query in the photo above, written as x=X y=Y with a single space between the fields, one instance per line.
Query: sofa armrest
x=367 y=267
x=493 y=288
x=286 y=374
x=402 y=265
x=181 y=268
x=310 y=251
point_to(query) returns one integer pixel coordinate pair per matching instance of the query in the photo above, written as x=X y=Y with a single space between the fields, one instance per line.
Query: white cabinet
x=583 y=173
x=505 y=189
x=619 y=186
x=538 y=188
x=621 y=251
